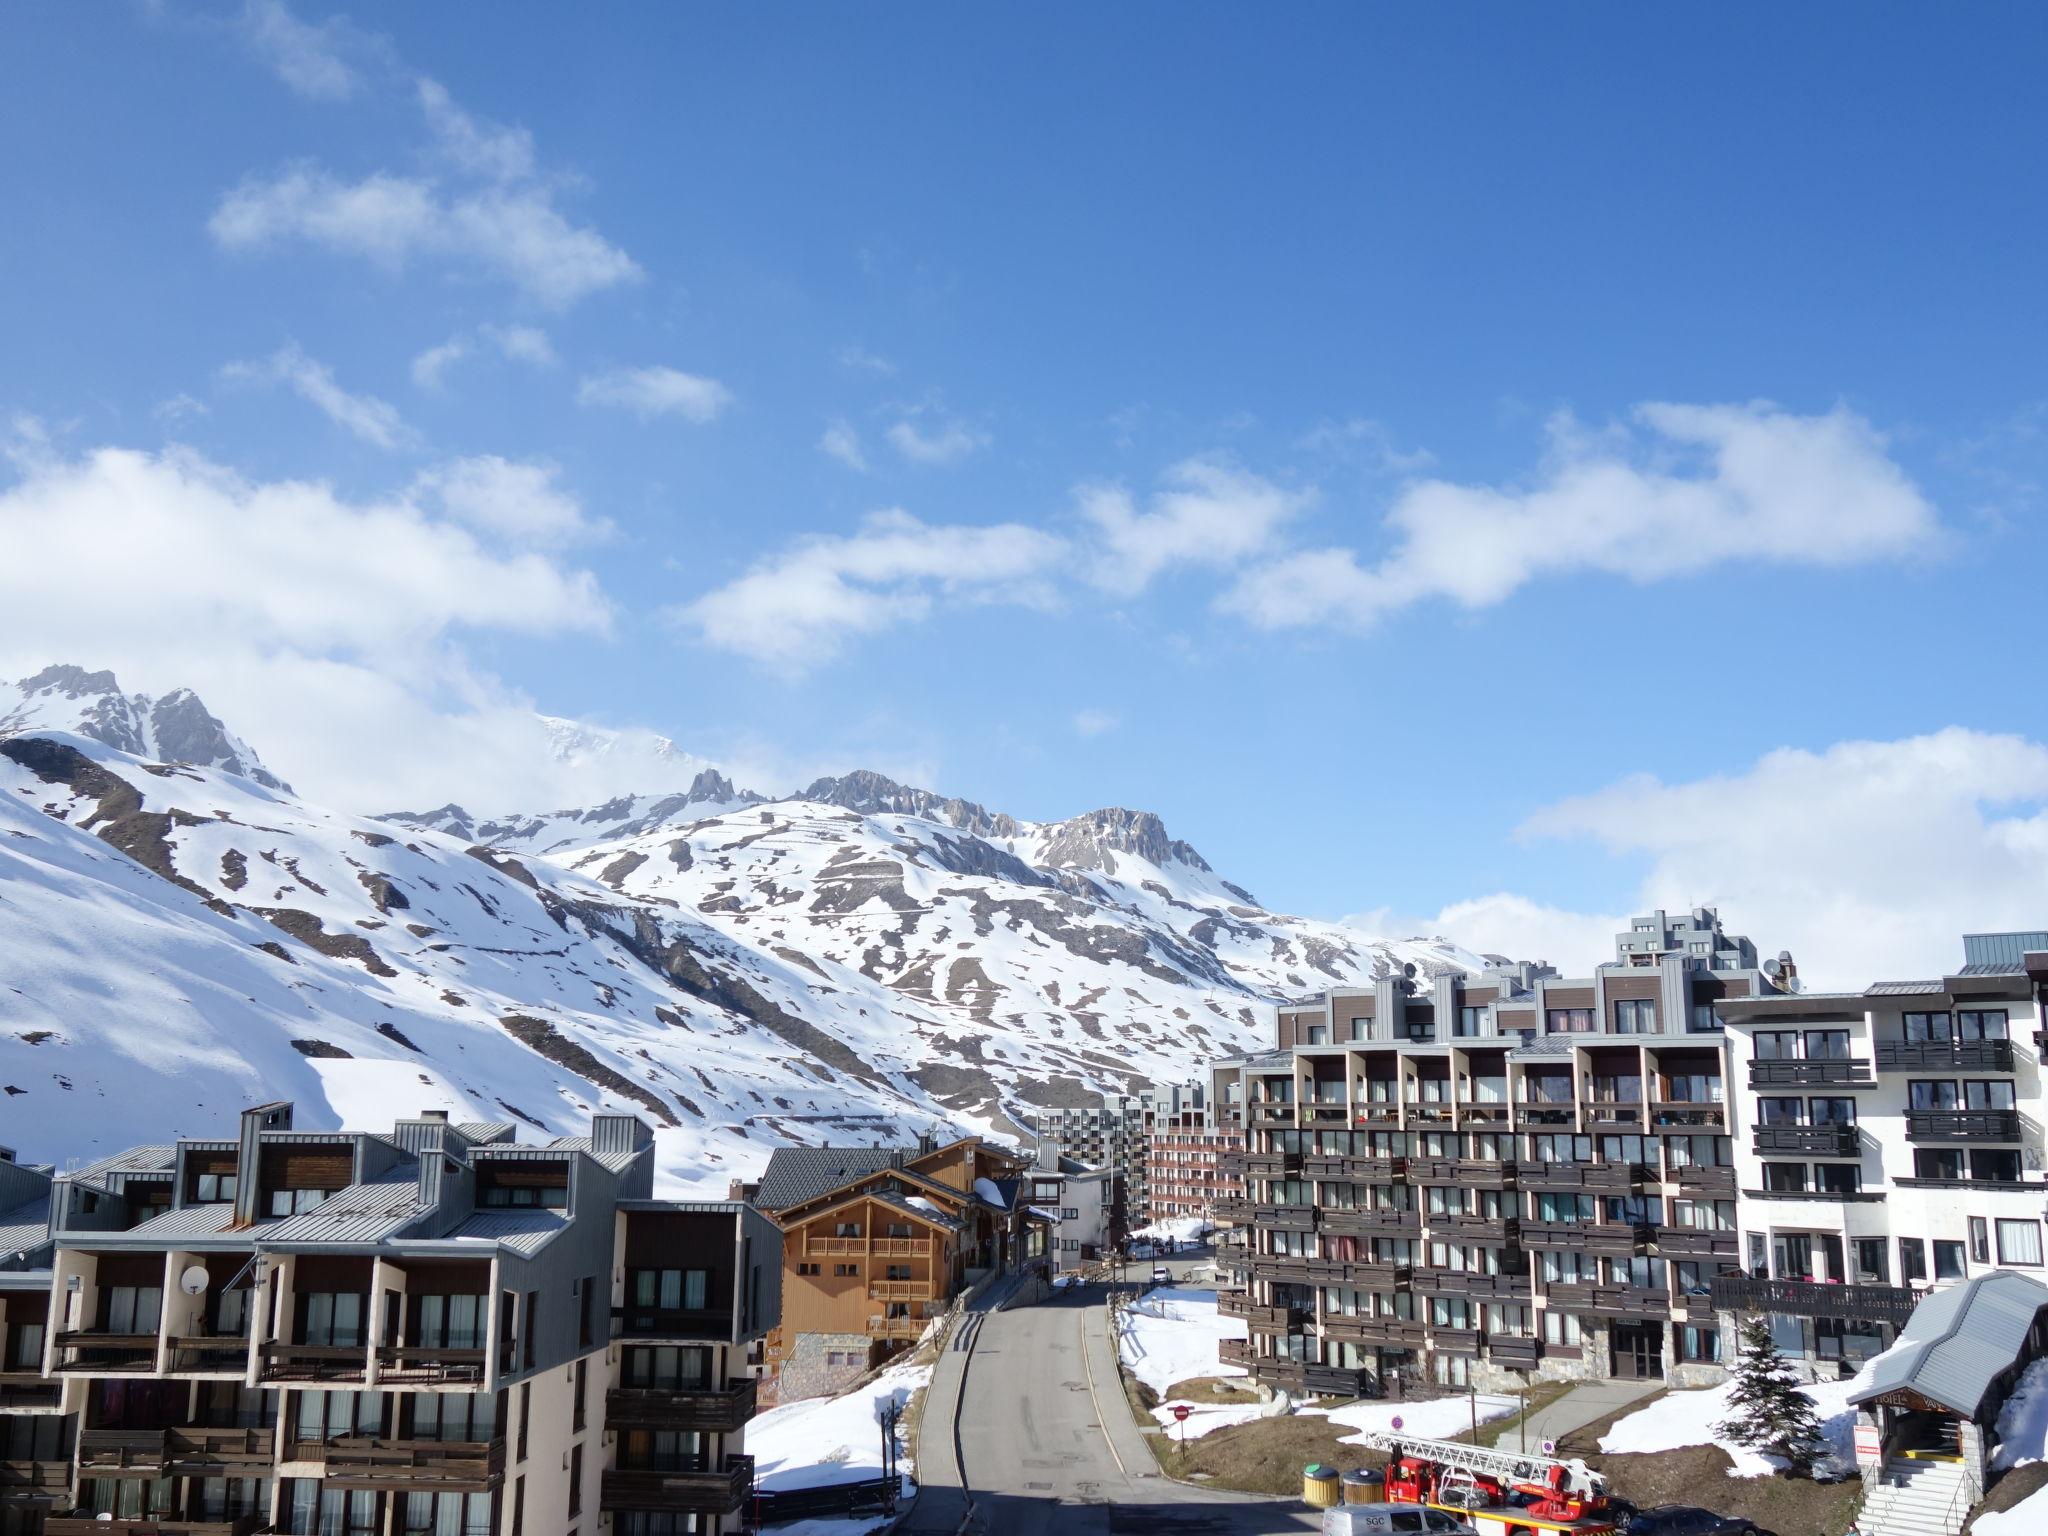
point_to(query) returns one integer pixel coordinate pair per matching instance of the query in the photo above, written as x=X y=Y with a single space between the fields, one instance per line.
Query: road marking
x=1088 y=1371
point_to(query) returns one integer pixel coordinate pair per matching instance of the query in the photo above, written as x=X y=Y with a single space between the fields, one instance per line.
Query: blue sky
x=1372 y=438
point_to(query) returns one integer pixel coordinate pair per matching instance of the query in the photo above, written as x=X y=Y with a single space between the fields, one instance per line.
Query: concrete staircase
x=1915 y=1498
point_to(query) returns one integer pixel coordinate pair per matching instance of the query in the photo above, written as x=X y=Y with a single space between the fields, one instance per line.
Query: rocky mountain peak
x=177 y=728
x=873 y=794
x=1087 y=841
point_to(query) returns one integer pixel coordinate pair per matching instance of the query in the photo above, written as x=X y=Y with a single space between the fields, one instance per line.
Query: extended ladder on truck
x=1474 y=1482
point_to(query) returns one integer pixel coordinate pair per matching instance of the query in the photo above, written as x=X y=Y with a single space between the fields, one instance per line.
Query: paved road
x=1047 y=1444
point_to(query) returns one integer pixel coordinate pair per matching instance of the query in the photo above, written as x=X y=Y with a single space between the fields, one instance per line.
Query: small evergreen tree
x=1767 y=1412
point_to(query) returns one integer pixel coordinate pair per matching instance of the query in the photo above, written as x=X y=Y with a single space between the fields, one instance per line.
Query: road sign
x=1550 y=1447
x=1397 y=1421
x=1181 y=1412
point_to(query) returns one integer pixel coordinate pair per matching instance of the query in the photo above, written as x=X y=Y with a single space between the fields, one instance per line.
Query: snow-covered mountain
x=854 y=961
x=173 y=729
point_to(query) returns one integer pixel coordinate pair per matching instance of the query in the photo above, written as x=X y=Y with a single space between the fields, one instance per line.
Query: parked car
x=1391 y=1520
x=1161 y=1275
x=1685 y=1520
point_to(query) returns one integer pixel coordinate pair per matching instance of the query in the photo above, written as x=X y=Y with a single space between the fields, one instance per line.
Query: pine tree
x=1767 y=1412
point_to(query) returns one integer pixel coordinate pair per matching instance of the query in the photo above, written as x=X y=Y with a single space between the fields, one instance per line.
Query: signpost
x=1180 y=1418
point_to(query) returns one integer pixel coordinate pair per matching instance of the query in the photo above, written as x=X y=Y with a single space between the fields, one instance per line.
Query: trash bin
x=1364 y=1486
x=1319 y=1485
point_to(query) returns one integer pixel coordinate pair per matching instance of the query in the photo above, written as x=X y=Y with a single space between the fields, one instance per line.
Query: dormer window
x=214 y=1189
x=293 y=1202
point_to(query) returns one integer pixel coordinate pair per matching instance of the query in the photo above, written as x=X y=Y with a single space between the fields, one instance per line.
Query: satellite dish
x=193 y=1280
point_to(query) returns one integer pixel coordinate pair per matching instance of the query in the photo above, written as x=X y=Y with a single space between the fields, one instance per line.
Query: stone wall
x=809 y=1370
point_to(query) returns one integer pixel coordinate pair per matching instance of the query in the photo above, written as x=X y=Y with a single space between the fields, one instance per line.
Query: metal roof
x=1903 y=988
x=25 y=1227
x=135 y=1160
x=1959 y=1341
x=1994 y=968
x=486 y=1130
x=796 y=1175
x=190 y=1222
x=2002 y=948
x=525 y=1229
x=359 y=1213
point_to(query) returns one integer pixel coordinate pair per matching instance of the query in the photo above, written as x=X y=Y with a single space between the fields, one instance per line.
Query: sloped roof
x=795 y=1175
x=524 y=1229
x=360 y=1213
x=24 y=1228
x=1958 y=1341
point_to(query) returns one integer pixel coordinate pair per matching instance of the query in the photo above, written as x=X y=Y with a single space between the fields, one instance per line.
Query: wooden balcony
x=1466 y=1282
x=344 y=1363
x=897 y=1329
x=1614 y=1238
x=87 y=1525
x=1235 y=1304
x=1355 y=1170
x=1825 y=1072
x=1271 y=1165
x=1806 y=1298
x=1944 y=1055
x=86 y=1352
x=1279 y=1269
x=682 y=1325
x=414 y=1365
x=1963 y=1124
x=1234 y=1352
x=1489 y=1231
x=1687 y=1115
x=123 y=1452
x=1388 y=1332
x=902 y=1290
x=1285 y=1218
x=209 y=1355
x=34 y=1479
x=1589 y=1178
x=1267 y=1113
x=1517 y=1353
x=1456 y=1341
x=1278 y=1320
x=1609 y=1300
x=1613 y=1115
x=413 y=1466
x=1698 y=1309
x=28 y=1392
x=1484 y=1114
x=1705 y=1183
x=221 y=1452
x=1236 y=1212
x=1545 y=1114
x=1381 y=1223
x=1373 y=1276
x=1806 y=1140
x=719 y=1490
x=1695 y=1243
x=1301 y=1377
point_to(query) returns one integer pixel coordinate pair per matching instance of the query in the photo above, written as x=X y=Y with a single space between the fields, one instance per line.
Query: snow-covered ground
x=2029 y=1517
x=832 y=1439
x=1175 y=1229
x=1680 y=1419
x=1438 y=1419
x=1170 y=1335
x=2023 y=1422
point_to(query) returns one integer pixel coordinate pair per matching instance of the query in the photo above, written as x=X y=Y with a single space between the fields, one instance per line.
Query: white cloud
x=473 y=145
x=794 y=610
x=429 y=365
x=373 y=420
x=314 y=623
x=843 y=443
x=947 y=442
x=1505 y=924
x=519 y=502
x=1685 y=489
x=1095 y=722
x=1210 y=514
x=313 y=61
x=1867 y=860
x=1371 y=442
x=656 y=391
x=860 y=360
x=180 y=407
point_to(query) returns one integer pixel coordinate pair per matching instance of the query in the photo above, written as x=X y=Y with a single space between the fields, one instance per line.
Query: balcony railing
x=366 y=1464
x=1465 y=1172
x=32 y=1478
x=1808 y=1298
x=1687 y=1114
x=1824 y=1072
x=1456 y=1341
x=315 y=1362
x=1518 y=1352
x=1705 y=1183
x=1371 y=1275
x=1392 y=1332
x=1234 y=1351
x=26 y=1391
x=209 y=1354
x=1963 y=1124
x=88 y=1525
x=428 y=1365
x=221 y=1452
x=1285 y=1218
x=1807 y=1140
x=1944 y=1055
x=1362 y=1223
x=1613 y=1114
x=1231 y=1210
x=1302 y=1377
x=897 y=1328
x=1609 y=1300
x=1695 y=1243
x=1356 y=1170
x=1593 y=1178
x=687 y=1324
x=85 y=1350
x=719 y=1490
x=1613 y=1238
x=1271 y=1165
x=1466 y=1282
x=1271 y=1114
x=902 y=1290
x=1383 y=1113
x=1493 y=1231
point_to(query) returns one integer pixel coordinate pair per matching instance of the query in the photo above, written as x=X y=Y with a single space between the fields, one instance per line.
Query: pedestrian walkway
x=1587 y=1403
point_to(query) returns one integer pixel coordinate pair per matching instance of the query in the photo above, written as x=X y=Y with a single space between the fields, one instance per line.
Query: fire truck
x=1497 y=1493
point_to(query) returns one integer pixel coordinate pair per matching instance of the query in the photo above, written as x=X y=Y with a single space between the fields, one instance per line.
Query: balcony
x=27 y=1392
x=1356 y=1170
x=1963 y=1124
x=88 y=1352
x=1372 y=1276
x=1538 y=1113
x=1516 y=1353
x=1609 y=1300
x=1428 y=1111
x=1611 y=1238
x=364 y=1464
x=906 y=1330
x=1807 y=1140
x=1265 y=1113
x=1465 y=1172
x=1302 y=1377
x=1234 y=1352
x=316 y=1362
x=1383 y=1115
x=421 y=1365
x=719 y=1490
x=902 y=1290
x=1363 y=1223
x=123 y=1452
x=1591 y=1178
x=1456 y=1341
x=34 y=1479
x=1467 y=1282
x=1279 y=1269
x=1271 y=1165
x=1836 y=1072
x=1808 y=1298
x=1944 y=1055
x=221 y=1452
x=1695 y=1243
x=683 y=1325
x=1483 y=1114
x=87 y=1525
x=1705 y=1183
x=1491 y=1231
x=1314 y=1112
x=1614 y=1115
x=1275 y=1320
x=704 y=1410
x=1387 y=1332
x=1232 y=1210
x=209 y=1354
x=1285 y=1218
x=1687 y=1114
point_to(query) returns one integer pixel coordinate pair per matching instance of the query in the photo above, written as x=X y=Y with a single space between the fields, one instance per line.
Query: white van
x=1392 y=1520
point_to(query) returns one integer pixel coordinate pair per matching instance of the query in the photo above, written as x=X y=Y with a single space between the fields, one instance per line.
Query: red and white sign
x=1181 y=1412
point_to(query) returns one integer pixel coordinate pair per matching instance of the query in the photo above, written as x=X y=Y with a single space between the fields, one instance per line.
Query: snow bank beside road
x=2023 y=1422
x=832 y=1439
x=1438 y=1419
x=1680 y=1419
x=1169 y=1336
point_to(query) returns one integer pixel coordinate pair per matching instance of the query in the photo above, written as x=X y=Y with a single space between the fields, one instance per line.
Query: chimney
x=434 y=1114
x=275 y=1116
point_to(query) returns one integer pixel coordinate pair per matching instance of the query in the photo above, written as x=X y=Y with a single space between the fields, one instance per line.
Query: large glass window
x=1784 y=1178
x=445 y=1514
x=1932 y=1094
x=331 y=1317
x=673 y=1290
x=1831 y=1111
x=134 y=1308
x=2019 y=1242
x=1948 y=1259
x=1635 y=1016
x=448 y=1322
x=1981 y=1024
x=1827 y=1045
x=1569 y=1021
x=1937 y=1162
x=1927 y=1026
x=1777 y=1045
x=1994 y=1094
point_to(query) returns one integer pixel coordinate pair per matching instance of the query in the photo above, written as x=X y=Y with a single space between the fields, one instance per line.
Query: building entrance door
x=1638 y=1351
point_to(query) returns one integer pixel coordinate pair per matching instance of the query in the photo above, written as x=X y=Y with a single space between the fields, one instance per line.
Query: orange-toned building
x=877 y=1242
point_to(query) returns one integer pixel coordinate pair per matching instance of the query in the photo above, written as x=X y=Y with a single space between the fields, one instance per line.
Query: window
x=452 y=1415
x=1994 y=1165
x=291 y=1202
x=448 y=1322
x=331 y=1318
x=525 y=1416
x=2019 y=1242
x=583 y=1291
x=678 y=1290
x=214 y=1188
x=1568 y=1021
x=1831 y=1111
x=1981 y=1024
x=1779 y=1111
x=1699 y=1344
x=1471 y=1021
x=1827 y=1045
x=1777 y=1045
x=809 y=1269
x=1319 y=1034
x=519 y=1506
x=1784 y=1178
x=846 y=1229
x=1927 y=1026
x=1991 y=1095
x=1948 y=1259
x=134 y=1309
x=1703 y=1021
x=1837 y=1178
x=1938 y=1163
x=1871 y=1268
x=669 y=1367
x=575 y=1482
x=529 y=1326
x=579 y=1416
x=1070 y=1213
x=846 y=1271
x=444 y=1514
x=1925 y=1094
x=1912 y=1260
x=1635 y=1016
x=1980 y=1240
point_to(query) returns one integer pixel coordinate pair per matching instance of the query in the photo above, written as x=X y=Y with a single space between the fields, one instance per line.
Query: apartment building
x=1184 y=1148
x=1485 y=1179
x=376 y=1335
x=1117 y=1135
x=1076 y=1202
x=877 y=1243
x=1888 y=1140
